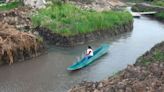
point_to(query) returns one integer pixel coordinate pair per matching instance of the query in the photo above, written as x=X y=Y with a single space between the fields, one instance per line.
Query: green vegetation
x=157 y=56
x=10 y=6
x=160 y=15
x=39 y=39
x=145 y=62
x=138 y=1
x=159 y=3
x=154 y=2
x=67 y=20
x=140 y=9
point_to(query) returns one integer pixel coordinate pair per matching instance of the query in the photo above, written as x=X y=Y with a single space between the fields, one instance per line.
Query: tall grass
x=67 y=19
x=10 y=6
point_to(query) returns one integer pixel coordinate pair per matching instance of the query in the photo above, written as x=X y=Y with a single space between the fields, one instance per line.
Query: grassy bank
x=68 y=20
x=158 y=3
x=9 y=6
x=155 y=55
x=141 y=8
x=160 y=15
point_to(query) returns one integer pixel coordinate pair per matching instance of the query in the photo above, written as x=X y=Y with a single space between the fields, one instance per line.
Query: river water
x=48 y=73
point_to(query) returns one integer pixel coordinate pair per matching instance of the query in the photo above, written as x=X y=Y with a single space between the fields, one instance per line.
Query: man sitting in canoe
x=89 y=52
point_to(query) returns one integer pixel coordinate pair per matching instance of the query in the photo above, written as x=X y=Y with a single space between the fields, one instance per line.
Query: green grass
x=157 y=56
x=10 y=6
x=160 y=15
x=158 y=3
x=145 y=61
x=68 y=20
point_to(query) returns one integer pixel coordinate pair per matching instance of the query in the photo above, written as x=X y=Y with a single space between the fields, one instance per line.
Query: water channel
x=48 y=73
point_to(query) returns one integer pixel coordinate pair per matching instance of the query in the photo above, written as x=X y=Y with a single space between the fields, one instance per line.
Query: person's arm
x=88 y=53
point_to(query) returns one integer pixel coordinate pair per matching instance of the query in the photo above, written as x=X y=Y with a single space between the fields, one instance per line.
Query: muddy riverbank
x=68 y=31
x=141 y=7
x=15 y=44
x=66 y=41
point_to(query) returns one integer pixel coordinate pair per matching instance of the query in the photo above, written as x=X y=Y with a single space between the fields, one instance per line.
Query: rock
x=7 y=1
x=96 y=90
x=40 y=4
x=94 y=86
x=17 y=17
x=100 y=85
x=99 y=5
x=35 y=3
x=128 y=89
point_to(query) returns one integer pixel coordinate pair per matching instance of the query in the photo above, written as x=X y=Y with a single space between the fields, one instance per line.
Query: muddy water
x=48 y=73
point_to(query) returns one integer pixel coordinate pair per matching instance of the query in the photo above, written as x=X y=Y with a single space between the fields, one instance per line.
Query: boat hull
x=103 y=49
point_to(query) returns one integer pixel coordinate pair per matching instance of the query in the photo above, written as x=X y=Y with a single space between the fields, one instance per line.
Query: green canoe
x=84 y=62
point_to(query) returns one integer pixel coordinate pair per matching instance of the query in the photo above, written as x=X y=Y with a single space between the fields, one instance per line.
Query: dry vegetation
x=15 y=44
x=12 y=41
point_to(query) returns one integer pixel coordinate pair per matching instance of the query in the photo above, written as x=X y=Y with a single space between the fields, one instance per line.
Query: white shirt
x=91 y=52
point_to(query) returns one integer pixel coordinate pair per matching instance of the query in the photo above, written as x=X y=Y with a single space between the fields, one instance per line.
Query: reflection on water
x=48 y=73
